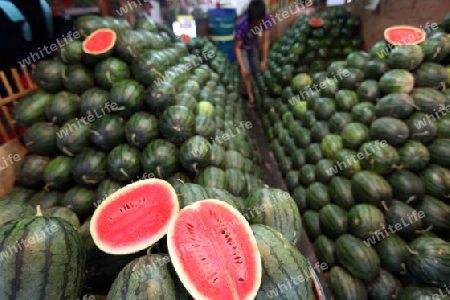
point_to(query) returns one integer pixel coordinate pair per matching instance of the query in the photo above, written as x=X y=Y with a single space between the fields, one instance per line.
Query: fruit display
x=362 y=149
x=310 y=45
x=137 y=142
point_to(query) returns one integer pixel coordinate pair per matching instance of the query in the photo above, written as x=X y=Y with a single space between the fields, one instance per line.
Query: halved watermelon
x=316 y=22
x=214 y=252
x=100 y=43
x=135 y=217
x=404 y=34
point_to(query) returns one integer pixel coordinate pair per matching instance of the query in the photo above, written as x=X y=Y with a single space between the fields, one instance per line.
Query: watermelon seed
x=223 y=231
x=241 y=279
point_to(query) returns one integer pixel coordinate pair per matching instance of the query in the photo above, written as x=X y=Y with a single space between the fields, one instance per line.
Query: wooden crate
x=12 y=144
x=12 y=98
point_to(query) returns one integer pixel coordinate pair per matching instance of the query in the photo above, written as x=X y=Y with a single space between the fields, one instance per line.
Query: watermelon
x=357 y=257
x=31 y=108
x=345 y=286
x=100 y=43
x=110 y=71
x=41 y=138
x=280 y=212
x=135 y=277
x=30 y=171
x=401 y=35
x=48 y=76
x=294 y=267
x=62 y=107
x=397 y=81
x=177 y=124
x=427 y=260
x=141 y=129
x=300 y=81
x=224 y=268
x=18 y=194
x=71 y=53
x=78 y=78
x=64 y=265
x=150 y=201
x=46 y=199
x=93 y=102
x=124 y=163
x=128 y=97
x=11 y=211
x=160 y=157
x=58 y=173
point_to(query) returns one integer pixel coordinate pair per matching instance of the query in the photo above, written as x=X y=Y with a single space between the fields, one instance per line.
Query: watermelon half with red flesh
x=316 y=22
x=100 y=43
x=214 y=252
x=404 y=34
x=135 y=217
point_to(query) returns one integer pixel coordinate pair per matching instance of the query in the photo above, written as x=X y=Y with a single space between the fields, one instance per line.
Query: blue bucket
x=225 y=45
x=222 y=21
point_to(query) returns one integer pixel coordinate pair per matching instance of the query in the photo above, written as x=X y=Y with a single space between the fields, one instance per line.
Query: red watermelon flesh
x=316 y=22
x=401 y=35
x=135 y=217
x=214 y=252
x=100 y=41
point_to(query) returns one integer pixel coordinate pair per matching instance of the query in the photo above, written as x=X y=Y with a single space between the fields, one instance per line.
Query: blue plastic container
x=221 y=29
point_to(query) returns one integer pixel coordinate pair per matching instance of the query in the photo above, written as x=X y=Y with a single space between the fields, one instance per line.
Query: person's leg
x=246 y=58
x=254 y=70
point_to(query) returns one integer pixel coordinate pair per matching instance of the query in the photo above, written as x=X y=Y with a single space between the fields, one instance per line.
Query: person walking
x=254 y=22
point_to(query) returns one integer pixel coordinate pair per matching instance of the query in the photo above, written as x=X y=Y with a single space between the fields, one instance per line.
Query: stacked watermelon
x=363 y=149
x=310 y=45
x=102 y=120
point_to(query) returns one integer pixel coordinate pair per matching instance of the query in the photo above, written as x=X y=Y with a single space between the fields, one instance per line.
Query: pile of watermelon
x=364 y=155
x=117 y=158
x=310 y=45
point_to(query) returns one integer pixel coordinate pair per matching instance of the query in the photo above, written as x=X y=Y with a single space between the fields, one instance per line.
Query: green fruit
x=77 y=79
x=340 y=192
x=63 y=213
x=281 y=212
x=128 y=98
x=414 y=156
x=80 y=201
x=18 y=195
x=392 y=252
x=311 y=221
x=161 y=158
x=405 y=215
x=398 y=106
x=71 y=53
x=31 y=108
x=177 y=124
x=427 y=260
x=58 y=173
x=385 y=286
x=422 y=127
x=141 y=129
x=46 y=199
x=380 y=158
x=369 y=91
x=89 y=167
x=395 y=132
x=428 y=101
x=73 y=137
x=295 y=267
x=437 y=181
x=437 y=214
x=370 y=188
x=107 y=132
x=345 y=286
x=357 y=258
x=431 y=75
x=397 y=81
x=325 y=250
x=110 y=71
x=317 y=196
x=407 y=57
x=333 y=220
x=407 y=187
x=30 y=171
x=49 y=76
x=365 y=221
x=10 y=210
x=123 y=163
x=64 y=272
x=140 y=276
x=41 y=138
x=94 y=102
